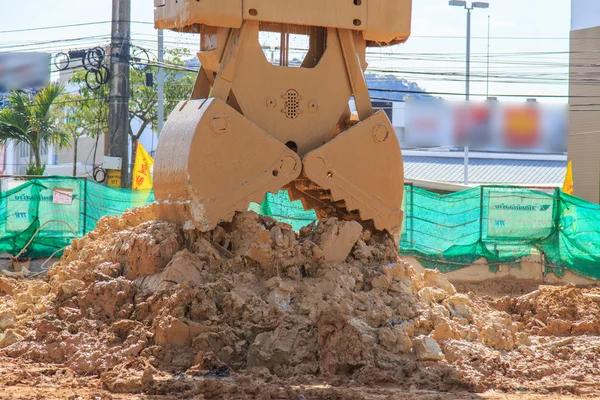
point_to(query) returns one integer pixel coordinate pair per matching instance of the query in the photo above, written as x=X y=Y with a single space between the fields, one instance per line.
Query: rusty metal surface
x=252 y=127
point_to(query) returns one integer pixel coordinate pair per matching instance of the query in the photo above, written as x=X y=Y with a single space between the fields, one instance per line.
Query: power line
x=493 y=37
x=54 y=27
x=451 y=76
x=58 y=41
x=69 y=26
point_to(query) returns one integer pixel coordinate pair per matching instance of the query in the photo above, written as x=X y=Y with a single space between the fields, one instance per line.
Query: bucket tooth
x=211 y=155
x=363 y=167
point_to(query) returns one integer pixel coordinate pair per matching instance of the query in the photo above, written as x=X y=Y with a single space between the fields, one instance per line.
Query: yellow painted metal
x=252 y=127
x=263 y=92
x=381 y=21
x=214 y=156
x=362 y=167
x=331 y=13
x=190 y=15
x=350 y=42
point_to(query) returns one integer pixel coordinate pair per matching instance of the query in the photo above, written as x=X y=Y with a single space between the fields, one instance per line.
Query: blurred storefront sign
x=491 y=126
x=24 y=71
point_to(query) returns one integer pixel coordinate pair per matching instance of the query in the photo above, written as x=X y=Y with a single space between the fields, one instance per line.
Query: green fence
x=501 y=224
x=44 y=215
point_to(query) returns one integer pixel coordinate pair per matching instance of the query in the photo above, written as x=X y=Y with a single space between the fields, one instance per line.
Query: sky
x=528 y=42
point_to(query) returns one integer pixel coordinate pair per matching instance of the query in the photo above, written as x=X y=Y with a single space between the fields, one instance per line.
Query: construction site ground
x=149 y=309
x=23 y=380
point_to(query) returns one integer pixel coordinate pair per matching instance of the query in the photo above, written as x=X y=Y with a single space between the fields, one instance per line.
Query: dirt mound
x=162 y=307
x=556 y=311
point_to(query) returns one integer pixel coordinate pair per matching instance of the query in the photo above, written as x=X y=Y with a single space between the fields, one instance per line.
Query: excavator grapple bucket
x=212 y=155
x=362 y=167
x=253 y=127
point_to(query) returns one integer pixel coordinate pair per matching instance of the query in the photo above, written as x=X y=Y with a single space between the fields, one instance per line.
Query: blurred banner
x=24 y=71
x=491 y=126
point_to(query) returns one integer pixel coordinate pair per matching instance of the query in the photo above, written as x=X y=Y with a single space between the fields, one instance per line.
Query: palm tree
x=30 y=121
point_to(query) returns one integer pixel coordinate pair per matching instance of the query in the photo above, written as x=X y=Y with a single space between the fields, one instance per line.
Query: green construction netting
x=48 y=213
x=501 y=224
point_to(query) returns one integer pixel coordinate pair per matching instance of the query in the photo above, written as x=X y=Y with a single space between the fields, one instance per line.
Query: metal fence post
x=85 y=188
x=412 y=216
x=481 y=188
x=557 y=193
x=556 y=227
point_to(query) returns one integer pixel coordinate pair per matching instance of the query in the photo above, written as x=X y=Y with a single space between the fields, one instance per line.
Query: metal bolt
x=271 y=102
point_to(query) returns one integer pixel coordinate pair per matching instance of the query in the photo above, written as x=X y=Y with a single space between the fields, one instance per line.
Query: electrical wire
x=450 y=77
x=43 y=28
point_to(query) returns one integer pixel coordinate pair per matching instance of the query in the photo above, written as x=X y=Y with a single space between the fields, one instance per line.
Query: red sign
x=472 y=124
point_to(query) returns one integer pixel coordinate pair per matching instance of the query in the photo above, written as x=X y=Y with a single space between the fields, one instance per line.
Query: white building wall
x=10 y=159
x=399 y=114
x=398 y=120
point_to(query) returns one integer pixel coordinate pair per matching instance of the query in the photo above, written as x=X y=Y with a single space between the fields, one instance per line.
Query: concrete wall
x=584 y=114
x=82 y=171
x=85 y=151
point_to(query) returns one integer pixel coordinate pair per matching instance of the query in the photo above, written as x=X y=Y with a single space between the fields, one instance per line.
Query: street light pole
x=475 y=4
x=487 y=86
x=468 y=90
x=468 y=75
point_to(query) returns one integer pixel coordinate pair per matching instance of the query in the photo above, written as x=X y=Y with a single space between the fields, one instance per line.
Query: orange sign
x=522 y=127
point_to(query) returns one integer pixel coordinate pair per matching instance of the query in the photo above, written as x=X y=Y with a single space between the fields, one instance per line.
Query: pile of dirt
x=555 y=311
x=159 y=307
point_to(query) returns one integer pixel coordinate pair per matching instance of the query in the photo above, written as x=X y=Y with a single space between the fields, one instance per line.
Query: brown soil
x=253 y=310
x=499 y=287
x=22 y=380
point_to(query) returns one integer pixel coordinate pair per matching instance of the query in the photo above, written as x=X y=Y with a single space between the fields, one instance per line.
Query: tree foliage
x=86 y=110
x=30 y=119
x=83 y=114
x=143 y=101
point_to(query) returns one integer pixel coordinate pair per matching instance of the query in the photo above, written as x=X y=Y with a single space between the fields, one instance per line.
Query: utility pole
x=117 y=141
x=161 y=82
